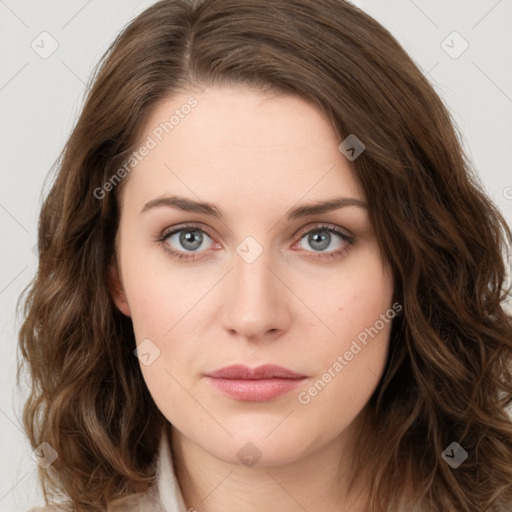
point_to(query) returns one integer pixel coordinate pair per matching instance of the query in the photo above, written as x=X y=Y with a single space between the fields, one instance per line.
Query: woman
x=268 y=275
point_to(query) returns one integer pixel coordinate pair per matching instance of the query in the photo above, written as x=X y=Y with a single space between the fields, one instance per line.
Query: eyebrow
x=190 y=205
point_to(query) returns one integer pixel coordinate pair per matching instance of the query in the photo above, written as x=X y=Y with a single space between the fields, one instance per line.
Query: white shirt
x=166 y=495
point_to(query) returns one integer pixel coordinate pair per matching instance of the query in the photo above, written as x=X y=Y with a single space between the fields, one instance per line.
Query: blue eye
x=190 y=241
x=186 y=238
x=320 y=238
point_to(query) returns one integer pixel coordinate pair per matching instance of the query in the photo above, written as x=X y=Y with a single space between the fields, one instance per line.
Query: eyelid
x=200 y=227
x=318 y=226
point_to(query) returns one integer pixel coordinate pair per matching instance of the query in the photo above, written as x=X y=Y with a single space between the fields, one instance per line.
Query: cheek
x=352 y=302
x=150 y=307
x=359 y=314
x=158 y=296
x=165 y=305
x=351 y=369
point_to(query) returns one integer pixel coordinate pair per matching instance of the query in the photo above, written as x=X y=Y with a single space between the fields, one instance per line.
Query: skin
x=255 y=156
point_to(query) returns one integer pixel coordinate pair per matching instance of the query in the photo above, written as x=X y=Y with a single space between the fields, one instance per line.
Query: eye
x=185 y=239
x=327 y=240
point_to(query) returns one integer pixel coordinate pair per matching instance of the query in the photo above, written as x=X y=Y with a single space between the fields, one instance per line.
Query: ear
x=116 y=290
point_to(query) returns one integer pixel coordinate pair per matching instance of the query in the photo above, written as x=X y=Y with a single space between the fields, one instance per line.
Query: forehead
x=240 y=142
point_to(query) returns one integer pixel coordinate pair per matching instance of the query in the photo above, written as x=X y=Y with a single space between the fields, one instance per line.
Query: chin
x=259 y=449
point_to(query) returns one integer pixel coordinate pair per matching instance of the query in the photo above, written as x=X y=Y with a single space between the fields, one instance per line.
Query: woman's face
x=256 y=277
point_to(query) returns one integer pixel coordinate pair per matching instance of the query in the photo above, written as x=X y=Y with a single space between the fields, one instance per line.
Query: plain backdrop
x=464 y=47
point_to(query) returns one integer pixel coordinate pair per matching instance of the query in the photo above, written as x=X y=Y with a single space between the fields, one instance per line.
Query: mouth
x=260 y=384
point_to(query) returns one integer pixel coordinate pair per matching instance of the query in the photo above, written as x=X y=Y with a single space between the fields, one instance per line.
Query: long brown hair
x=448 y=376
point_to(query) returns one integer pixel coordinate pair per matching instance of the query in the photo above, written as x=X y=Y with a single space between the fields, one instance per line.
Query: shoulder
x=52 y=508
x=144 y=502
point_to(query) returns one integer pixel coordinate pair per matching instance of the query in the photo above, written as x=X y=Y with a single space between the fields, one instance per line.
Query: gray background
x=40 y=99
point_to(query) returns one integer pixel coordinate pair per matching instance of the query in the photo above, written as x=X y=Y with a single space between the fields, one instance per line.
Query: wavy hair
x=448 y=375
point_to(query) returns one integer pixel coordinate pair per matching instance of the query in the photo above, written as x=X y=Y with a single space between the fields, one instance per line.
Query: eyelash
x=330 y=228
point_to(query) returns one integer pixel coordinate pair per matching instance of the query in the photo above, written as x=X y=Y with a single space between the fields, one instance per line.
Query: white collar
x=169 y=491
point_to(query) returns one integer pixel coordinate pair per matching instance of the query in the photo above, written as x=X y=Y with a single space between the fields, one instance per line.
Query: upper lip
x=266 y=371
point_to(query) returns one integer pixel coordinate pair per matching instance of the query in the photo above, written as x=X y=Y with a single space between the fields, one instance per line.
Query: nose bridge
x=253 y=279
x=255 y=304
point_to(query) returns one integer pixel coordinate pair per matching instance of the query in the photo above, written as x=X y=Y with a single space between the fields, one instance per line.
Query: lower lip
x=257 y=390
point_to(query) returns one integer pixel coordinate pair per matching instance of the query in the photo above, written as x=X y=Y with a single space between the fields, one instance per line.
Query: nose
x=255 y=300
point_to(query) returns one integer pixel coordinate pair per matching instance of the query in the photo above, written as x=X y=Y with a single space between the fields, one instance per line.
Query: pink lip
x=266 y=371
x=259 y=384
